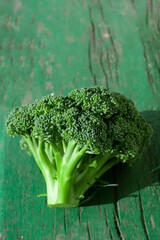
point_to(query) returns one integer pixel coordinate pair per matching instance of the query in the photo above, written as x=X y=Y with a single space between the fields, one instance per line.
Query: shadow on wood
x=142 y=174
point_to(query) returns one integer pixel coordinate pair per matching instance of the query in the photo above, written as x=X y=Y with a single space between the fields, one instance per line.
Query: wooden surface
x=55 y=46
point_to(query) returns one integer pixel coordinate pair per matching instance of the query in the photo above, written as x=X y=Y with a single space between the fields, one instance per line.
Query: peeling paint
x=23 y=64
x=41 y=62
x=32 y=74
x=70 y=39
x=48 y=70
x=58 y=65
x=3 y=64
x=17 y=6
x=31 y=44
x=11 y=43
x=51 y=58
x=48 y=85
x=152 y=221
x=11 y=25
x=83 y=37
x=5 y=96
x=118 y=48
x=42 y=28
x=27 y=98
x=22 y=58
x=60 y=237
x=71 y=85
x=71 y=58
x=2 y=58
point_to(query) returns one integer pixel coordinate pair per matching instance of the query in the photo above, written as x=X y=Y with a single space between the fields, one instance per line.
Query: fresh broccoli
x=75 y=139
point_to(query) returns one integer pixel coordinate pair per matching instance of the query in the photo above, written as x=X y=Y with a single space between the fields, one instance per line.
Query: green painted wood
x=55 y=46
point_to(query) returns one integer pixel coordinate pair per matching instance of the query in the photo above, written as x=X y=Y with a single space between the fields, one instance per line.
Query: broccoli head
x=75 y=139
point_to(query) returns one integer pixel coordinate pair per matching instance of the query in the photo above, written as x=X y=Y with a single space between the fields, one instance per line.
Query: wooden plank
x=55 y=46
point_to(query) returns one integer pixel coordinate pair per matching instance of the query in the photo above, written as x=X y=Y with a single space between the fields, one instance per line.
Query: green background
x=53 y=47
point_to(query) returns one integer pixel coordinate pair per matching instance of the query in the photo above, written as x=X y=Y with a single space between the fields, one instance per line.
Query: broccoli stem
x=91 y=174
x=38 y=150
x=58 y=175
x=60 y=172
x=65 y=174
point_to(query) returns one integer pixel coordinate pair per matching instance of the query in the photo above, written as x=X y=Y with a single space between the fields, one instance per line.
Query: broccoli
x=75 y=139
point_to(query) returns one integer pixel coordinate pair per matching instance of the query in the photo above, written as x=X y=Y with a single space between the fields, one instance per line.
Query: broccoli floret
x=75 y=139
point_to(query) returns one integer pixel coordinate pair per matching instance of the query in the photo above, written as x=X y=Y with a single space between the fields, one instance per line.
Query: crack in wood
x=142 y=216
x=107 y=57
x=100 y=212
x=79 y=215
x=106 y=219
x=11 y=58
x=92 y=28
x=101 y=10
x=115 y=197
x=117 y=227
x=111 y=40
x=116 y=70
x=88 y=231
x=32 y=61
x=110 y=233
x=65 y=222
x=91 y=43
x=109 y=65
x=104 y=71
x=149 y=75
x=44 y=225
x=107 y=225
x=90 y=64
x=41 y=212
x=154 y=57
x=150 y=6
x=54 y=228
x=147 y=17
x=115 y=54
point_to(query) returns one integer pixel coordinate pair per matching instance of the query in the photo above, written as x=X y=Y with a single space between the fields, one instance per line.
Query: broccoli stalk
x=64 y=187
x=76 y=139
x=59 y=180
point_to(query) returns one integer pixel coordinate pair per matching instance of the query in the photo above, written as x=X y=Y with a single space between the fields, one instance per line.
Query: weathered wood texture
x=55 y=46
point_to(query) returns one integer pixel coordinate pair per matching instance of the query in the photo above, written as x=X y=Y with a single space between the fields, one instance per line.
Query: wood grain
x=55 y=46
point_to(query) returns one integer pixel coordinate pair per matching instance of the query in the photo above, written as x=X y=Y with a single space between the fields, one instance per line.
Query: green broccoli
x=75 y=139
